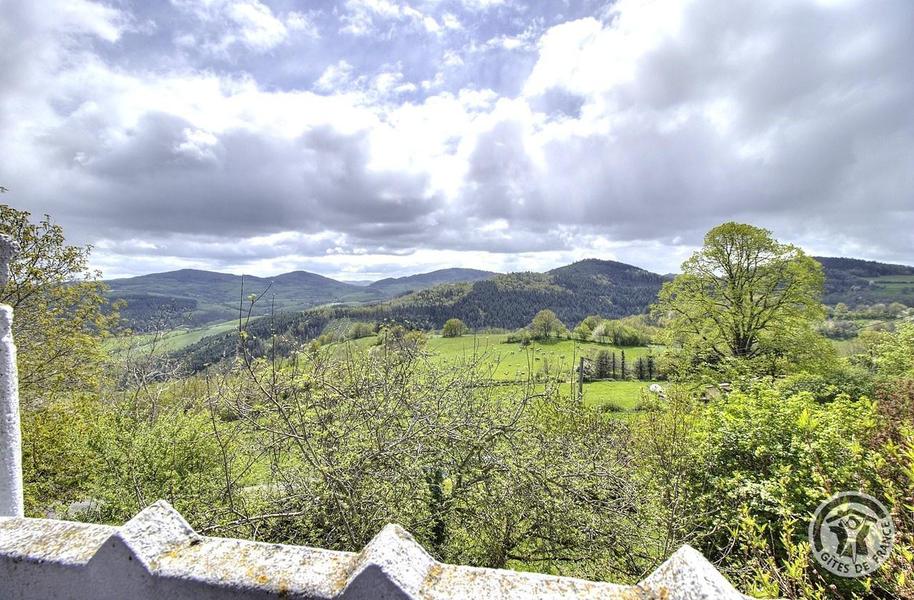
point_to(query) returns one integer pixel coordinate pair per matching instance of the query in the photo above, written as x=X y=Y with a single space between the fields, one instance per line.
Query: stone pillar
x=10 y=435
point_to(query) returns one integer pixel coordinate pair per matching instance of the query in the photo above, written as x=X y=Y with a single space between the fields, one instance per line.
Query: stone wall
x=158 y=555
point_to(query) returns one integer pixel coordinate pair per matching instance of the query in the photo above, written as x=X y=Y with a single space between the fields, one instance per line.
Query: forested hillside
x=191 y=297
x=508 y=301
x=853 y=281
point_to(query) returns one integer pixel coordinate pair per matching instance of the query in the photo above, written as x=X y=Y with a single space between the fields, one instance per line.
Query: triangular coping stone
x=393 y=566
x=688 y=575
x=155 y=530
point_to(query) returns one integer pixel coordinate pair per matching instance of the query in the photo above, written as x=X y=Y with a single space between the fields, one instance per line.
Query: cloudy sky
x=366 y=138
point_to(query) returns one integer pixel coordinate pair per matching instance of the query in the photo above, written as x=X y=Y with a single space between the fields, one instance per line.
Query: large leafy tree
x=744 y=296
x=60 y=316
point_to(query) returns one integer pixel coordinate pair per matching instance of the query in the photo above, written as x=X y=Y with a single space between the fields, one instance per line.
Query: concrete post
x=11 y=504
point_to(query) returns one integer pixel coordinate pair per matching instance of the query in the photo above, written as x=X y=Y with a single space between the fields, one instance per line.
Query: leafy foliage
x=59 y=466
x=546 y=325
x=893 y=354
x=482 y=476
x=453 y=328
x=61 y=312
x=752 y=465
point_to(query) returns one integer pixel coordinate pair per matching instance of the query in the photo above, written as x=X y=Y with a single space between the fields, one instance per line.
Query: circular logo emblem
x=851 y=534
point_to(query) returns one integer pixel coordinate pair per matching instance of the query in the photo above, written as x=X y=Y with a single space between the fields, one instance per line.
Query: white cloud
x=198 y=145
x=525 y=40
x=259 y=29
x=388 y=82
x=302 y=22
x=83 y=16
x=364 y=17
x=630 y=136
x=450 y=21
x=250 y=24
x=452 y=58
x=335 y=77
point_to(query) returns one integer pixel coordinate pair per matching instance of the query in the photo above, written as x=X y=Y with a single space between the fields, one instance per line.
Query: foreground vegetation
x=481 y=444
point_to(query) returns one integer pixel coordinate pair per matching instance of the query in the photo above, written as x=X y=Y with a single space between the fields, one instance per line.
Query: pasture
x=510 y=361
x=167 y=341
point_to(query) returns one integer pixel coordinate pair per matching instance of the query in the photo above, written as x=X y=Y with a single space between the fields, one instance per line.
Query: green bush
x=850 y=381
x=59 y=465
x=769 y=460
x=453 y=328
x=521 y=336
x=171 y=455
x=620 y=333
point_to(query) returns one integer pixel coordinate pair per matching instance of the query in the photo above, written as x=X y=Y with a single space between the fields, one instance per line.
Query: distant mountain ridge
x=190 y=297
x=193 y=297
x=586 y=287
x=400 y=285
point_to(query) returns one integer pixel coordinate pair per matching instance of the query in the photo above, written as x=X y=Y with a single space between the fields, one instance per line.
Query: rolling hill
x=587 y=287
x=403 y=285
x=306 y=303
x=509 y=301
x=853 y=281
x=193 y=298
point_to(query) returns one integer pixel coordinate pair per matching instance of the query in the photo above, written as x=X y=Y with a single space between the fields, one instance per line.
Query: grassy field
x=891 y=288
x=846 y=347
x=168 y=341
x=507 y=361
x=895 y=279
x=513 y=361
x=624 y=394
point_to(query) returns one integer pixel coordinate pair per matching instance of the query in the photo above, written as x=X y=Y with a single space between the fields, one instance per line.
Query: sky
x=362 y=139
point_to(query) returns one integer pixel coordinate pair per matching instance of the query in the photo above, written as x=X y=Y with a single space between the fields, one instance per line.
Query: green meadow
x=504 y=361
x=510 y=361
x=167 y=341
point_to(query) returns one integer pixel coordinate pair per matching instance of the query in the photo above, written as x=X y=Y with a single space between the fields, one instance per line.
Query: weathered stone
x=8 y=250
x=391 y=567
x=156 y=530
x=11 y=504
x=158 y=555
x=687 y=575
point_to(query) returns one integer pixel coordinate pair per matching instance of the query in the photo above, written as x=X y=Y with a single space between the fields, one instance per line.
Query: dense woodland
x=319 y=427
